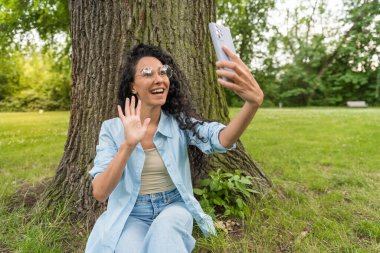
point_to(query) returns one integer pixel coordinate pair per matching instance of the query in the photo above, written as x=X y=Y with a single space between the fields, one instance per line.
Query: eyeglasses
x=163 y=71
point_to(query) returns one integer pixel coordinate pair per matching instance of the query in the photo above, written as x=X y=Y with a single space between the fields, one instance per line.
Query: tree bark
x=102 y=32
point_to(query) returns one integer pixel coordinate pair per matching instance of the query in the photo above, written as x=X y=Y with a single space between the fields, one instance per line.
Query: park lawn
x=324 y=165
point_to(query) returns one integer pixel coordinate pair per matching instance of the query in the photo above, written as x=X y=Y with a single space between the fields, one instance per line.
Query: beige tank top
x=155 y=177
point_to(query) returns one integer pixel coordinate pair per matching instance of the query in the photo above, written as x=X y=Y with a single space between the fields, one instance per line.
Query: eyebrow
x=151 y=67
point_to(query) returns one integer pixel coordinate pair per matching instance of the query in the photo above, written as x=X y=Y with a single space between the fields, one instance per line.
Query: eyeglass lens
x=165 y=70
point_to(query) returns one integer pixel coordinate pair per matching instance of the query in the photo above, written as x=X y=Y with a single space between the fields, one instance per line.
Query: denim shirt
x=171 y=143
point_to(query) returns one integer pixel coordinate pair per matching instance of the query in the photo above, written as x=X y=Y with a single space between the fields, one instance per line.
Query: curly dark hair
x=177 y=102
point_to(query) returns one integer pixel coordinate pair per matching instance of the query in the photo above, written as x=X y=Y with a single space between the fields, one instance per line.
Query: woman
x=142 y=164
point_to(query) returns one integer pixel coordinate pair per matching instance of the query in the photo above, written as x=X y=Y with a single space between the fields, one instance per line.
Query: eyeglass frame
x=153 y=72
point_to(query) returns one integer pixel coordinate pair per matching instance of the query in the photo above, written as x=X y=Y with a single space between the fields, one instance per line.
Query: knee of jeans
x=174 y=218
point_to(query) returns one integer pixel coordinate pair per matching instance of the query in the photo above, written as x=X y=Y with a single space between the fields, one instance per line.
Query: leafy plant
x=226 y=193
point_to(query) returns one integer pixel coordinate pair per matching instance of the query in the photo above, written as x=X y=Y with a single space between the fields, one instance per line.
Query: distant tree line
x=317 y=57
x=34 y=76
x=305 y=61
x=34 y=81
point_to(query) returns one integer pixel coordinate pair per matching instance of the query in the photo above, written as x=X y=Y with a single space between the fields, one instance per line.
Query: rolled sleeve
x=210 y=131
x=105 y=151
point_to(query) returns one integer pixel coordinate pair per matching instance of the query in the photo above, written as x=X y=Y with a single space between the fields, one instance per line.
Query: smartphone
x=221 y=36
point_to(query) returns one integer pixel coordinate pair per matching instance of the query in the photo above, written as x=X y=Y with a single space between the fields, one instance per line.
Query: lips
x=157 y=91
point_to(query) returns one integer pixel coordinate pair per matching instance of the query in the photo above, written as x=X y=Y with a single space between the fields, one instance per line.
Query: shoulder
x=113 y=128
x=111 y=122
x=112 y=125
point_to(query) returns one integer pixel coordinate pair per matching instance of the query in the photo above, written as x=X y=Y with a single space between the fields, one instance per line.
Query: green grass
x=324 y=164
x=31 y=145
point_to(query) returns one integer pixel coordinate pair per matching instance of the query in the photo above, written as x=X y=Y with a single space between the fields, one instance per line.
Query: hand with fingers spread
x=134 y=130
x=241 y=80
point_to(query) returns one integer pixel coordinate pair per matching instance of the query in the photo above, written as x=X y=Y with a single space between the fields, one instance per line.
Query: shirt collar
x=164 y=126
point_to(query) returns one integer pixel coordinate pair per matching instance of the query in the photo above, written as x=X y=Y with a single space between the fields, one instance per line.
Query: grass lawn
x=324 y=164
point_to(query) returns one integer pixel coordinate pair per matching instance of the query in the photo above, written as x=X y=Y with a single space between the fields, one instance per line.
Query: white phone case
x=221 y=36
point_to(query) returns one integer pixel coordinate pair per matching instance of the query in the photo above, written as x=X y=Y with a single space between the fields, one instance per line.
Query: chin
x=157 y=103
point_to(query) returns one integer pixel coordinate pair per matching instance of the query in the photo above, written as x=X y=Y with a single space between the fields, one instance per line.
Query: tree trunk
x=102 y=31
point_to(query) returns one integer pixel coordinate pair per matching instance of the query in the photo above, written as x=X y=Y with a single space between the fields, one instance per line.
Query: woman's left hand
x=243 y=83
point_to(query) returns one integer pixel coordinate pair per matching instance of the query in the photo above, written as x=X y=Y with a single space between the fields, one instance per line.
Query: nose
x=158 y=78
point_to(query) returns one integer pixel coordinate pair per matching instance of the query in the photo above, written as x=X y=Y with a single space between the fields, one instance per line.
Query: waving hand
x=134 y=130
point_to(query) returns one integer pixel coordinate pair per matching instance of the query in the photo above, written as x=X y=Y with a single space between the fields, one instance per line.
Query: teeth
x=158 y=91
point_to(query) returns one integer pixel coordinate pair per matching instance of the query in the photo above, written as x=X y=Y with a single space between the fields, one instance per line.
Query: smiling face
x=151 y=84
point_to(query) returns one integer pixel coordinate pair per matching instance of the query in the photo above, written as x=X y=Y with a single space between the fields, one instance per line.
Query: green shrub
x=226 y=194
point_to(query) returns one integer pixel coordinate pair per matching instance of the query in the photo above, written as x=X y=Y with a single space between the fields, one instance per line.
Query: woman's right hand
x=134 y=131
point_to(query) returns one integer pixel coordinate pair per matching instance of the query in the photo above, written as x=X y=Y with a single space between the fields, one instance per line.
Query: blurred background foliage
x=35 y=63
x=304 y=54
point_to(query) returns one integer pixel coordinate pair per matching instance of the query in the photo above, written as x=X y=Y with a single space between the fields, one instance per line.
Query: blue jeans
x=158 y=222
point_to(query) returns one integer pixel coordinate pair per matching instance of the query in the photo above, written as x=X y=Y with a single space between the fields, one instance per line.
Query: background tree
x=34 y=52
x=101 y=33
x=22 y=20
x=316 y=55
x=31 y=80
x=247 y=20
x=327 y=57
x=351 y=71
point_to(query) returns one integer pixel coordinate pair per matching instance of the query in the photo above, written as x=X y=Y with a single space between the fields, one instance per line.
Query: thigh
x=175 y=215
x=171 y=231
x=133 y=235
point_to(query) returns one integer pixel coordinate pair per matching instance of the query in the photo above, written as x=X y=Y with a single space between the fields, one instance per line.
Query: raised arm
x=246 y=87
x=134 y=131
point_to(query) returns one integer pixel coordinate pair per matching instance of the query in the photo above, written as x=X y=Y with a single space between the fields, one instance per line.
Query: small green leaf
x=245 y=180
x=205 y=182
x=253 y=191
x=240 y=203
x=198 y=191
x=228 y=174
x=218 y=201
x=214 y=185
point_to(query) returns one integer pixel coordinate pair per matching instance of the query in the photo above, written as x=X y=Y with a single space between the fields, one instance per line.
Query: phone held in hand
x=221 y=36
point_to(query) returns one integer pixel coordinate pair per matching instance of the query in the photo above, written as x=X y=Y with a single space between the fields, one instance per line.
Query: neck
x=150 y=112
